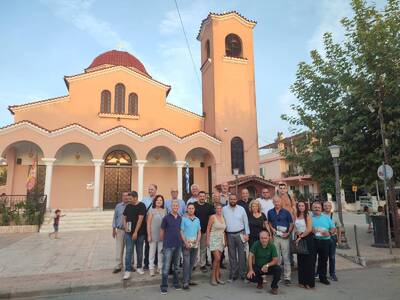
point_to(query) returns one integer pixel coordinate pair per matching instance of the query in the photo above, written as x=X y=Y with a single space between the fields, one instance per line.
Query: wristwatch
x=267 y=266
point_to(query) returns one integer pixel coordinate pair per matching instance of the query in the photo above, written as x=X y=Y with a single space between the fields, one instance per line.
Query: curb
x=71 y=289
x=371 y=262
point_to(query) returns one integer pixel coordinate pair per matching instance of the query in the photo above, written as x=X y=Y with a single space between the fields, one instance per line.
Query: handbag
x=299 y=248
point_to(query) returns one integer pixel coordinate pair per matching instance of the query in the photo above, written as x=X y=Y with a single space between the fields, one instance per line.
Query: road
x=371 y=283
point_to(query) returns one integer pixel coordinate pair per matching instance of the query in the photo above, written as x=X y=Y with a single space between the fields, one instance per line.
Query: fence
x=22 y=209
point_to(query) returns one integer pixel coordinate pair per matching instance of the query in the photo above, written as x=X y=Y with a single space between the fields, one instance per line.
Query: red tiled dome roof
x=118 y=58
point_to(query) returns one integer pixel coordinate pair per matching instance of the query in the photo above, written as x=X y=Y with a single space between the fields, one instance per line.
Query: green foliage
x=334 y=91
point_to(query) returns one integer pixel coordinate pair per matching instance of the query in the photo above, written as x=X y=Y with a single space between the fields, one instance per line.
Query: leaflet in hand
x=280 y=230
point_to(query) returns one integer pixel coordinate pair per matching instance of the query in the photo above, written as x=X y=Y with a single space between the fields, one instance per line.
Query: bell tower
x=228 y=90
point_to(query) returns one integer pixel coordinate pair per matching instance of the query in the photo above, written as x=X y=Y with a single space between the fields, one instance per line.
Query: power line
x=187 y=44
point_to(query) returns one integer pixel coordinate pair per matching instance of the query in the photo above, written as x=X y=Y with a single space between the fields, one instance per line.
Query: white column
x=179 y=165
x=96 y=190
x=140 y=164
x=49 y=162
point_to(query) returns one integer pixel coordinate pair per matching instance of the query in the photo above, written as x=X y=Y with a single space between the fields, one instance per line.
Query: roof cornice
x=24 y=106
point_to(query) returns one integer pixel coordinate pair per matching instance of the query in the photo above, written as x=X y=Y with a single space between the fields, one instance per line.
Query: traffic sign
x=354 y=188
x=381 y=173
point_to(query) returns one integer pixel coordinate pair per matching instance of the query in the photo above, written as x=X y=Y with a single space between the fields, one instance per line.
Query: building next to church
x=115 y=130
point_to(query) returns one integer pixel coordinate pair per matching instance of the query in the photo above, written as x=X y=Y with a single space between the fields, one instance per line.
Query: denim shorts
x=55 y=226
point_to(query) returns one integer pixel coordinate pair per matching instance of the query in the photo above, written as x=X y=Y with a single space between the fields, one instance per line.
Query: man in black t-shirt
x=203 y=211
x=134 y=233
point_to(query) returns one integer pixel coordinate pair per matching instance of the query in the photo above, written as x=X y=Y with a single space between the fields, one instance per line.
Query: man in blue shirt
x=237 y=232
x=182 y=204
x=148 y=201
x=172 y=245
x=281 y=225
x=118 y=231
x=323 y=228
x=191 y=234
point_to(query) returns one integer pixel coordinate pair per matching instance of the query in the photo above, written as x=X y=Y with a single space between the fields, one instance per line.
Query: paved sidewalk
x=372 y=255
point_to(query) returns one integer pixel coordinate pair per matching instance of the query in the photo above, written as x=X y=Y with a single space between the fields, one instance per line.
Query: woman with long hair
x=257 y=221
x=154 y=219
x=216 y=241
x=303 y=231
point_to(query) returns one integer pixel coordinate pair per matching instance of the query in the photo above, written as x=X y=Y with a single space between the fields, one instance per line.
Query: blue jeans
x=189 y=259
x=170 y=255
x=138 y=243
x=332 y=254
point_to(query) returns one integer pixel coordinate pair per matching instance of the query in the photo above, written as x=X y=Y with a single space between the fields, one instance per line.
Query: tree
x=337 y=91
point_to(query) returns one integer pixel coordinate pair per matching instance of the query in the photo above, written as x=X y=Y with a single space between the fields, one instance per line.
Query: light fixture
x=77 y=155
x=236 y=171
x=335 y=150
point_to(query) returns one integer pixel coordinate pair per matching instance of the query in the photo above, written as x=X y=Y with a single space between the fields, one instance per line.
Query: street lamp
x=236 y=174
x=335 y=152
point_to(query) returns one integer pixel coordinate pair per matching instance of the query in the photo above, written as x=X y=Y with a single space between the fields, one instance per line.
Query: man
x=281 y=225
x=182 y=204
x=237 y=231
x=245 y=201
x=195 y=194
x=134 y=233
x=216 y=197
x=323 y=228
x=118 y=231
x=172 y=245
x=148 y=201
x=203 y=211
x=191 y=234
x=265 y=201
x=287 y=202
x=224 y=193
x=335 y=239
x=263 y=260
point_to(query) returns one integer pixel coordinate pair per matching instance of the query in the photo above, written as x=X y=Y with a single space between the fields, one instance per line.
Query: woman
x=303 y=231
x=216 y=241
x=154 y=218
x=257 y=221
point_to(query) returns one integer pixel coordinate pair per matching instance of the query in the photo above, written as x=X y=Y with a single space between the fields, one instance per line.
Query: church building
x=115 y=130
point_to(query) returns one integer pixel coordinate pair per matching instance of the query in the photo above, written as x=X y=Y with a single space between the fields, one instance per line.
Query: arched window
x=119 y=104
x=208 y=51
x=237 y=154
x=118 y=158
x=105 y=106
x=233 y=45
x=133 y=104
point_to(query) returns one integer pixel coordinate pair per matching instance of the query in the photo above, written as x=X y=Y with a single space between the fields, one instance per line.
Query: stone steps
x=79 y=221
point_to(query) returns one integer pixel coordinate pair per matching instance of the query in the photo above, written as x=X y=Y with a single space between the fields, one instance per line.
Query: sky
x=43 y=40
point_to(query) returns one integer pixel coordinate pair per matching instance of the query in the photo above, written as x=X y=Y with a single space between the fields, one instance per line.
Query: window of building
x=233 y=45
x=105 y=106
x=208 y=50
x=262 y=172
x=237 y=154
x=133 y=104
x=3 y=175
x=119 y=104
x=118 y=158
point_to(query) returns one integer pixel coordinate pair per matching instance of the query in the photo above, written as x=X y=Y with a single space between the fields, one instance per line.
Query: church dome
x=117 y=58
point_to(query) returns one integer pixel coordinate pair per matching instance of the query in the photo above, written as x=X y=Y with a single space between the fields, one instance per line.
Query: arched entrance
x=117 y=176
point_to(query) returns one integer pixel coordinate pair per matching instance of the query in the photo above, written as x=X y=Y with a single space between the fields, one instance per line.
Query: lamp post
x=335 y=152
x=236 y=174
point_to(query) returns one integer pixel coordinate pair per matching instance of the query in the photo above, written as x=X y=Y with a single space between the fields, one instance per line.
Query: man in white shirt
x=224 y=193
x=195 y=193
x=266 y=201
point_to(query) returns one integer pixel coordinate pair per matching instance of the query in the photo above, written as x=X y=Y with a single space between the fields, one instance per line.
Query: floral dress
x=217 y=235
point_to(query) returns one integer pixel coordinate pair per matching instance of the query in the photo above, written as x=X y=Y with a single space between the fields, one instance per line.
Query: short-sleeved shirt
x=266 y=205
x=322 y=222
x=132 y=213
x=282 y=218
x=190 y=227
x=172 y=231
x=203 y=212
x=263 y=255
x=256 y=225
x=182 y=206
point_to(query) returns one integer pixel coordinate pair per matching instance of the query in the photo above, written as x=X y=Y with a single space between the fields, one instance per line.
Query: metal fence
x=22 y=209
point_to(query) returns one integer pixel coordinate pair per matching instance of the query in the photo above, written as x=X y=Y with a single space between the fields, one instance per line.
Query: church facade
x=115 y=131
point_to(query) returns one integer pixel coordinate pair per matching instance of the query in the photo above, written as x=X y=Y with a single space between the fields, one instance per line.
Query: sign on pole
x=381 y=172
x=354 y=188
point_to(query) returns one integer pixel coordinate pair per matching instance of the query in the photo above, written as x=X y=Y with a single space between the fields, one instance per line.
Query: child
x=56 y=222
x=368 y=220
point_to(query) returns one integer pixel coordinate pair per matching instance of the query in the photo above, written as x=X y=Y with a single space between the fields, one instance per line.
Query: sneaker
x=116 y=270
x=203 y=269
x=140 y=271
x=287 y=282
x=186 y=287
x=152 y=273
x=177 y=287
x=127 y=275
x=163 y=291
x=334 y=277
x=325 y=281
x=274 y=291
x=316 y=276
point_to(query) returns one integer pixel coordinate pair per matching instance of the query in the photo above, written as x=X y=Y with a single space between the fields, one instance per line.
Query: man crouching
x=263 y=260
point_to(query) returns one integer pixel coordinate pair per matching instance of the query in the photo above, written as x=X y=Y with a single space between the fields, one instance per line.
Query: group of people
x=260 y=235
